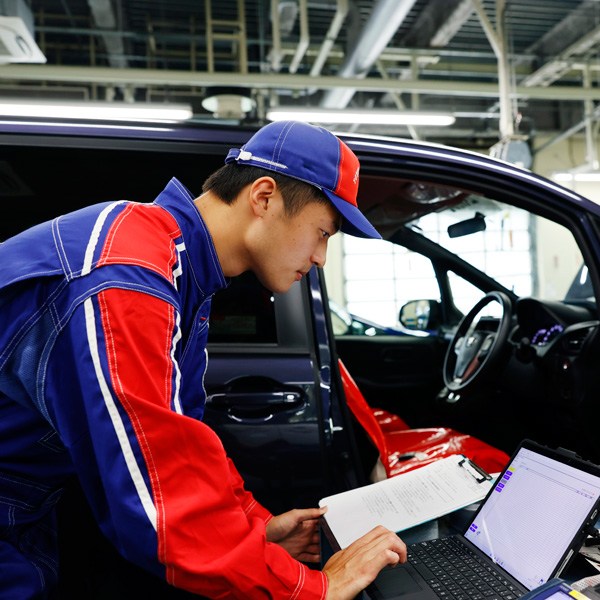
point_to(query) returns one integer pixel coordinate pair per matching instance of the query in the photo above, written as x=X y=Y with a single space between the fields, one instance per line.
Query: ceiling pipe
x=330 y=37
x=591 y=155
x=196 y=79
x=397 y=99
x=569 y=132
x=276 y=55
x=383 y=23
x=304 y=37
x=104 y=18
x=497 y=41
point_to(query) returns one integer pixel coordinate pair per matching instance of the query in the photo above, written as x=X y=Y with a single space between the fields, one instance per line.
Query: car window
x=339 y=325
x=380 y=277
x=243 y=313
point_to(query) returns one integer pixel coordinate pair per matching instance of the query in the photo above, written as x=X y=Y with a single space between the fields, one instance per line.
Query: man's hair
x=228 y=182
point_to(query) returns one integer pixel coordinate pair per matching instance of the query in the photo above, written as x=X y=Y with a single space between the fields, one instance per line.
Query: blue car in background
x=503 y=344
x=344 y=323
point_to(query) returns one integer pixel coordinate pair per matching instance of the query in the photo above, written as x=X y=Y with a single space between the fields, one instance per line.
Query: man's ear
x=260 y=193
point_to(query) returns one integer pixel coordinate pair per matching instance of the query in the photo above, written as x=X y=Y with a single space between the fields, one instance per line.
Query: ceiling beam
x=438 y=23
x=187 y=79
x=568 y=31
x=559 y=66
x=572 y=37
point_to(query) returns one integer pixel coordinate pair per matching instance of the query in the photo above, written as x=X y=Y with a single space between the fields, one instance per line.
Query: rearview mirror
x=468 y=226
x=420 y=315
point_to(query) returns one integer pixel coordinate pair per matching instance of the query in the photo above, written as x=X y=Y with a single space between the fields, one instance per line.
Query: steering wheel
x=473 y=352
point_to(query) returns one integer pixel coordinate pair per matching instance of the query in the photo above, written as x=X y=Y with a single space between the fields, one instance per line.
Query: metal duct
x=383 y=23
x=104 y=18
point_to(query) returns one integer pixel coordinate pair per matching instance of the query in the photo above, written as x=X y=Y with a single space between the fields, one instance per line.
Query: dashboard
x=543 y=322
x=545 y=334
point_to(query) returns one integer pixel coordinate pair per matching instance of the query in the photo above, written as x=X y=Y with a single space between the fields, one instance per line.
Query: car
x=493 y=276
x=344 y=323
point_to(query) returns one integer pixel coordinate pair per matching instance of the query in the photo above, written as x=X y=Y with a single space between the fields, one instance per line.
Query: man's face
x=287 y=247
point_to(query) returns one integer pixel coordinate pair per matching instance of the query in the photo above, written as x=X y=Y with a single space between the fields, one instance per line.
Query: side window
x=243 y=313
x=379 y=278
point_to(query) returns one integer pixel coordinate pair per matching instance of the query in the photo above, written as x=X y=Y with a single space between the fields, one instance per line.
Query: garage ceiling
x=381 y=54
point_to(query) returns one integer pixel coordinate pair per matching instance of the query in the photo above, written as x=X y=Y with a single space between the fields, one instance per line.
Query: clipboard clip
x=476 y=471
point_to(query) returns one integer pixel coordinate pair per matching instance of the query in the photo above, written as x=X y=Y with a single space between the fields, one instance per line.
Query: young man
x=103 y=325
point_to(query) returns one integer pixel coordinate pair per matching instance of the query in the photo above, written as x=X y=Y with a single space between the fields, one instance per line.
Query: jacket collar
x=178 y=201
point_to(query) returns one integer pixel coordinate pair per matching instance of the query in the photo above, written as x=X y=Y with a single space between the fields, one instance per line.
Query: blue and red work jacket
x=103 y=326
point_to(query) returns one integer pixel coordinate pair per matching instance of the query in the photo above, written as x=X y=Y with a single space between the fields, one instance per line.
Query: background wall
x=562 y=156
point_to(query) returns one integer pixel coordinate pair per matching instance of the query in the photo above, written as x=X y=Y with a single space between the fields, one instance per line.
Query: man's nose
x=320 y=254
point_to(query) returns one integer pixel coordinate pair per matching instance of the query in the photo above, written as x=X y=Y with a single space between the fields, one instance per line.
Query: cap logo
x=355 y=179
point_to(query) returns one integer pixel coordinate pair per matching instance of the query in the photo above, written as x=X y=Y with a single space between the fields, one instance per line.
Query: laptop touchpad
x=397 y=583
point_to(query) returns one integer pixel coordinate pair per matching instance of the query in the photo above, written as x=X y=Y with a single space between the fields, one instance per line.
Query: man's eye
x=325 y=233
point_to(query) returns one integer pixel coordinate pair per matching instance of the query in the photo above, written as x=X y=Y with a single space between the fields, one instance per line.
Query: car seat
x=402 y=449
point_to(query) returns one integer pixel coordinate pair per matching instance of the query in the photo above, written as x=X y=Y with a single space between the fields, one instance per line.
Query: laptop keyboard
x=456 y=573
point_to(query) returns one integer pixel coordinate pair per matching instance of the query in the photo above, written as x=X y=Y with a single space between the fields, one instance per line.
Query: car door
x=270 y=392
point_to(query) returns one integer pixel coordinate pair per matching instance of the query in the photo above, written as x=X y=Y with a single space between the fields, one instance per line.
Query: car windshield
x=474 y=243
x=527 y=254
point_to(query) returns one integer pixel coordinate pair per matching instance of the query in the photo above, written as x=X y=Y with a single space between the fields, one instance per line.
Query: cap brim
x=355 y=223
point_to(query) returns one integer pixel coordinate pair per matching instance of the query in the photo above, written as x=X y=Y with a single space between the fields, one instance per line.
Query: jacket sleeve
x=159 y=482
x=249 y=504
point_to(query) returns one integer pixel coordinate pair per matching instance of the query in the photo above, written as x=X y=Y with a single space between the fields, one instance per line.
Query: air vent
x=574 y=340
x=16 y=43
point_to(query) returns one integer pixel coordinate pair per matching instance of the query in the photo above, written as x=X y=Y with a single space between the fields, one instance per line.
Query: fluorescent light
x=364 y=117
x=102 y=111
x=582 y=177
x=126 y=126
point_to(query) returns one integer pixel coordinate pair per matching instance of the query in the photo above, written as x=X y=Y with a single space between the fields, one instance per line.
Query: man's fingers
x=378 y=540
x=355 y=567
x=306 y=514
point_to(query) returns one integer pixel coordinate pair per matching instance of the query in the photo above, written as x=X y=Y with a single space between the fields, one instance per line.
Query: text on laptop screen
x=532 y=515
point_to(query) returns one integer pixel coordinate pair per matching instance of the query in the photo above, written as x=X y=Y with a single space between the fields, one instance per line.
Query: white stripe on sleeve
x=132 y=466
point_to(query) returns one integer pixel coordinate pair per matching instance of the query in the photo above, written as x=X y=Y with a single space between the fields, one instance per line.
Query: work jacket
x=103 y=325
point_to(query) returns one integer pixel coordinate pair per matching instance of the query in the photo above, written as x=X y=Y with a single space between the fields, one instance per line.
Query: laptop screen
x=531 y=516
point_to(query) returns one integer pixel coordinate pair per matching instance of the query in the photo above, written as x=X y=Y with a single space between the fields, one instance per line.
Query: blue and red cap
x=315 y=156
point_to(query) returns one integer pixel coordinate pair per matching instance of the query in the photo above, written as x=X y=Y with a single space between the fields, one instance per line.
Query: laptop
x=527 y=530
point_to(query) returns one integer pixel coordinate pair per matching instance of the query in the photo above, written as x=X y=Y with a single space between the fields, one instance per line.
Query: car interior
x=505 y=347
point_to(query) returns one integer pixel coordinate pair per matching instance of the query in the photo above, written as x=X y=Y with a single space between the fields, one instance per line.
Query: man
x=103 y=326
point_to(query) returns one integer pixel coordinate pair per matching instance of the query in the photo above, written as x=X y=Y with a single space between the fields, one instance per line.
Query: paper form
x=403 y=501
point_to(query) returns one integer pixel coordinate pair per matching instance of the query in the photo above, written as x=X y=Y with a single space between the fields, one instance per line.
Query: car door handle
x=282 y=400
x=255 y=398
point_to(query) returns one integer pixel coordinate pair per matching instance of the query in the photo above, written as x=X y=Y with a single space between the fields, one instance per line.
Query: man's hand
x=297 y=532
x=351 y=570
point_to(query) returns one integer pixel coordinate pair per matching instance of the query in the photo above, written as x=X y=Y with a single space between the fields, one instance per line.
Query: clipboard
x=475 y=470
x=407 y=500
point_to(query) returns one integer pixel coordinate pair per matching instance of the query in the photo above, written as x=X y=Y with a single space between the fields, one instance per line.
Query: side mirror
x=421 y=315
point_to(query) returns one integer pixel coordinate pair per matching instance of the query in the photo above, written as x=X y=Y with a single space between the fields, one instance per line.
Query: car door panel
x=399 y=373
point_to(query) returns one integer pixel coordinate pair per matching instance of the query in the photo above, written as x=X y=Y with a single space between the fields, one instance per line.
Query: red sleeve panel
x=210 y=534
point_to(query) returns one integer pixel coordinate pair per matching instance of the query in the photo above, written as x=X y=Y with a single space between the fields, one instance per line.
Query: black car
x=515 y=253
